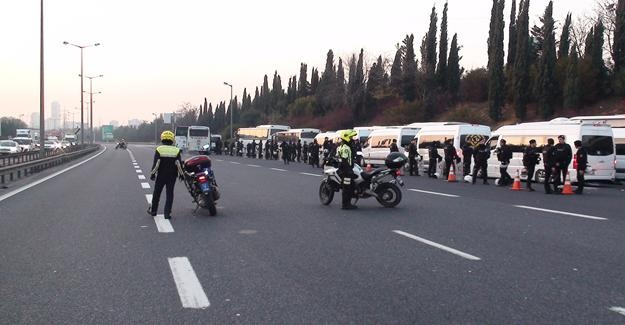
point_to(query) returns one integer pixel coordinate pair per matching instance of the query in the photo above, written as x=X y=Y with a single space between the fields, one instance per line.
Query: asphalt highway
x=79 y=248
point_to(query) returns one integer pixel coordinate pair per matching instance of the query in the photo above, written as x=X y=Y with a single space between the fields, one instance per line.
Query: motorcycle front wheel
x=389 y=195
x=326 y=192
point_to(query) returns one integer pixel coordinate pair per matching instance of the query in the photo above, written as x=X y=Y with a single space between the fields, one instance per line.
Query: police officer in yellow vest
x=166 y=168
x=346 y=170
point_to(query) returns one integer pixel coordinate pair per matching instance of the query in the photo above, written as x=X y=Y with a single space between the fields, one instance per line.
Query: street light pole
x=231 y=108
x=91 y=137
x=82 y=112
x=155 y=129
x=42 y=127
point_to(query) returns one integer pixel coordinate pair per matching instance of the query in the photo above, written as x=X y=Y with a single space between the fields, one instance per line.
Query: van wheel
x=539 y=176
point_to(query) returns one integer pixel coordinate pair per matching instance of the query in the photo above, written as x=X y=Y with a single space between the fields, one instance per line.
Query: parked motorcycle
x=200 y=182
x=381 y=183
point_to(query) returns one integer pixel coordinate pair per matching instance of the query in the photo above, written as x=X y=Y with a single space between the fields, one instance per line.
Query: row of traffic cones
x=567 y=189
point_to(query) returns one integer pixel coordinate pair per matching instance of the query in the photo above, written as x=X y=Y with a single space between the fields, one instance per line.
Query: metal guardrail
x=16 y=170
x=22 y=157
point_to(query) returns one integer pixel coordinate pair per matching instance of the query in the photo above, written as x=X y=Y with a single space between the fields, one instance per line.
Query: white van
x=377 y=146
x=596 y=138
x=461 y=133
x=619 y=140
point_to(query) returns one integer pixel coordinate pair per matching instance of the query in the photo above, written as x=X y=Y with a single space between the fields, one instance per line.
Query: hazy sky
x=156 y=54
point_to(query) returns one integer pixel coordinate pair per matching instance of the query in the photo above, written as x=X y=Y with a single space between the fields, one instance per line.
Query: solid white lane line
x=278 y=169
x=309 y=174
x=162 y=224
x=145 y=185
x=561 y=212
x=439 y=246
x=148 y=198
x=132 y=157
x=33 y=184
x=433 y=193
x=619 y=310
x=189 y=287
x=138 y=171
x=141 y=176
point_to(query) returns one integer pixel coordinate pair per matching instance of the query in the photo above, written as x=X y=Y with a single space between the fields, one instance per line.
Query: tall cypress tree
x=496 y=86
x=547 y=80
x=522 y=62
x=325 y=93
x=571 y=86
x=209 y=117
x=565 y=38
x=340 y=84
x=618 y=48
x=409 y=64
x=512 y=35
x=314 y=81
x=454 y=71
x=429 y=55
x=355 y=86
x=396 y=73
x=441 y=71
x=304 y=88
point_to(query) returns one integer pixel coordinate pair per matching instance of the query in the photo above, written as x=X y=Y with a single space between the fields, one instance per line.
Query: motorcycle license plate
x=204 y=187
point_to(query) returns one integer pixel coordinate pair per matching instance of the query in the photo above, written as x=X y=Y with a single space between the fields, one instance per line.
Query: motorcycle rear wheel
x=389 y=195
x=326 y=192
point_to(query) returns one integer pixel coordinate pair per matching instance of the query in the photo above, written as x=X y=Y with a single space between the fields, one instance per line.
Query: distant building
x=55 y=116
x=134 y=122
x=114 y=123
x=34 y=120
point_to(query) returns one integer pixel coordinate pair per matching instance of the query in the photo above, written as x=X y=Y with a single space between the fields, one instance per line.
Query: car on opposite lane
x=9 y=147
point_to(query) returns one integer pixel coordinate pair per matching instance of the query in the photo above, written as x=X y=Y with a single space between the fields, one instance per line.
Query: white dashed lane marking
x=562 y=212
x=189 y=287
x=138 y=171
x=433 y=193
x=437 y=245
x=309 y=174
x=162 y=224
x=141 y=176
x=278 y=169
x=145 y=185
x=619 y=310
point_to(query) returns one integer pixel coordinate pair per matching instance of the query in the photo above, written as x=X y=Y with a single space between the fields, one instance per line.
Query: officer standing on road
x=467 y=154
x=531 y=158
x=298 y=148
x=346 y=166
x=166 y=168
x=563 y=155
x=549 y=163
x=481 y=153
x=394 y=147
x=285 y=152
x=451 y=157
x=260 y=149
x=412 y=156
x=581 y=156
x=314 y=154
x=305 y=152
x=434 y=158
x=504 y=154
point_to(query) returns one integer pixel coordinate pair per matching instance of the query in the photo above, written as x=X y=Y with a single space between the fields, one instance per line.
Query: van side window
x=426 y=140
x=516 y=143
x=492 y=143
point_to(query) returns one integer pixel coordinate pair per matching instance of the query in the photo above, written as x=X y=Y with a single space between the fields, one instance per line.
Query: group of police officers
x=555 y=157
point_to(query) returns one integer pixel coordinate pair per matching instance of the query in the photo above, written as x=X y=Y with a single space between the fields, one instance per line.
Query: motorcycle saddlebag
x=197 y=163
x=395 y=160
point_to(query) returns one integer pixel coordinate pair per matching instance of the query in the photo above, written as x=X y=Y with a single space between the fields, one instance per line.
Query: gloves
x=152 y=177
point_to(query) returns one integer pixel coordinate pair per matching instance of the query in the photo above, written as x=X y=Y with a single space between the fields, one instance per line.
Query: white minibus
x=596 y=138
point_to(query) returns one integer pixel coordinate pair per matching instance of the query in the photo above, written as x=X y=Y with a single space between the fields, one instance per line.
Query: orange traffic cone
x=368 y=168
x=452 y=174
x=567 y=189
x=516 y=186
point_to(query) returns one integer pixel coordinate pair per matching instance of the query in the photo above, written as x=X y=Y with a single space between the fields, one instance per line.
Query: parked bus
x=304 y=135
x=199 y=136
x=181 y=137
x=259 y=133
x=597 y=138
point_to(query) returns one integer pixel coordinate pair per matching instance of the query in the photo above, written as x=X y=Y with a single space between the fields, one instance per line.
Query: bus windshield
x=198 y=132
x=181 y=131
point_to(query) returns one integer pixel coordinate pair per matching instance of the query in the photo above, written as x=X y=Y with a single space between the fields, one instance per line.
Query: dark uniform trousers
x=548 y=173
x=530 y=174
x=168 y=182
x=483 y=167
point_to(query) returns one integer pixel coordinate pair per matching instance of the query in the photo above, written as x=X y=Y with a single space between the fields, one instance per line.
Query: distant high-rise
x=34 y=120
x=55 y=116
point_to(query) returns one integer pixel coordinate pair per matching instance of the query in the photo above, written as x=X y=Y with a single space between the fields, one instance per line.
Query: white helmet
x=468 y=179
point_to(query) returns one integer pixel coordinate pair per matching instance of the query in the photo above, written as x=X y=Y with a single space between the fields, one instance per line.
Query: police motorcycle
x=121 y=145
x=382 y=183
x=199 y=180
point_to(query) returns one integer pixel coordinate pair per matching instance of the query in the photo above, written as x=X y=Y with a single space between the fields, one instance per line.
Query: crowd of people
x=555 y=157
